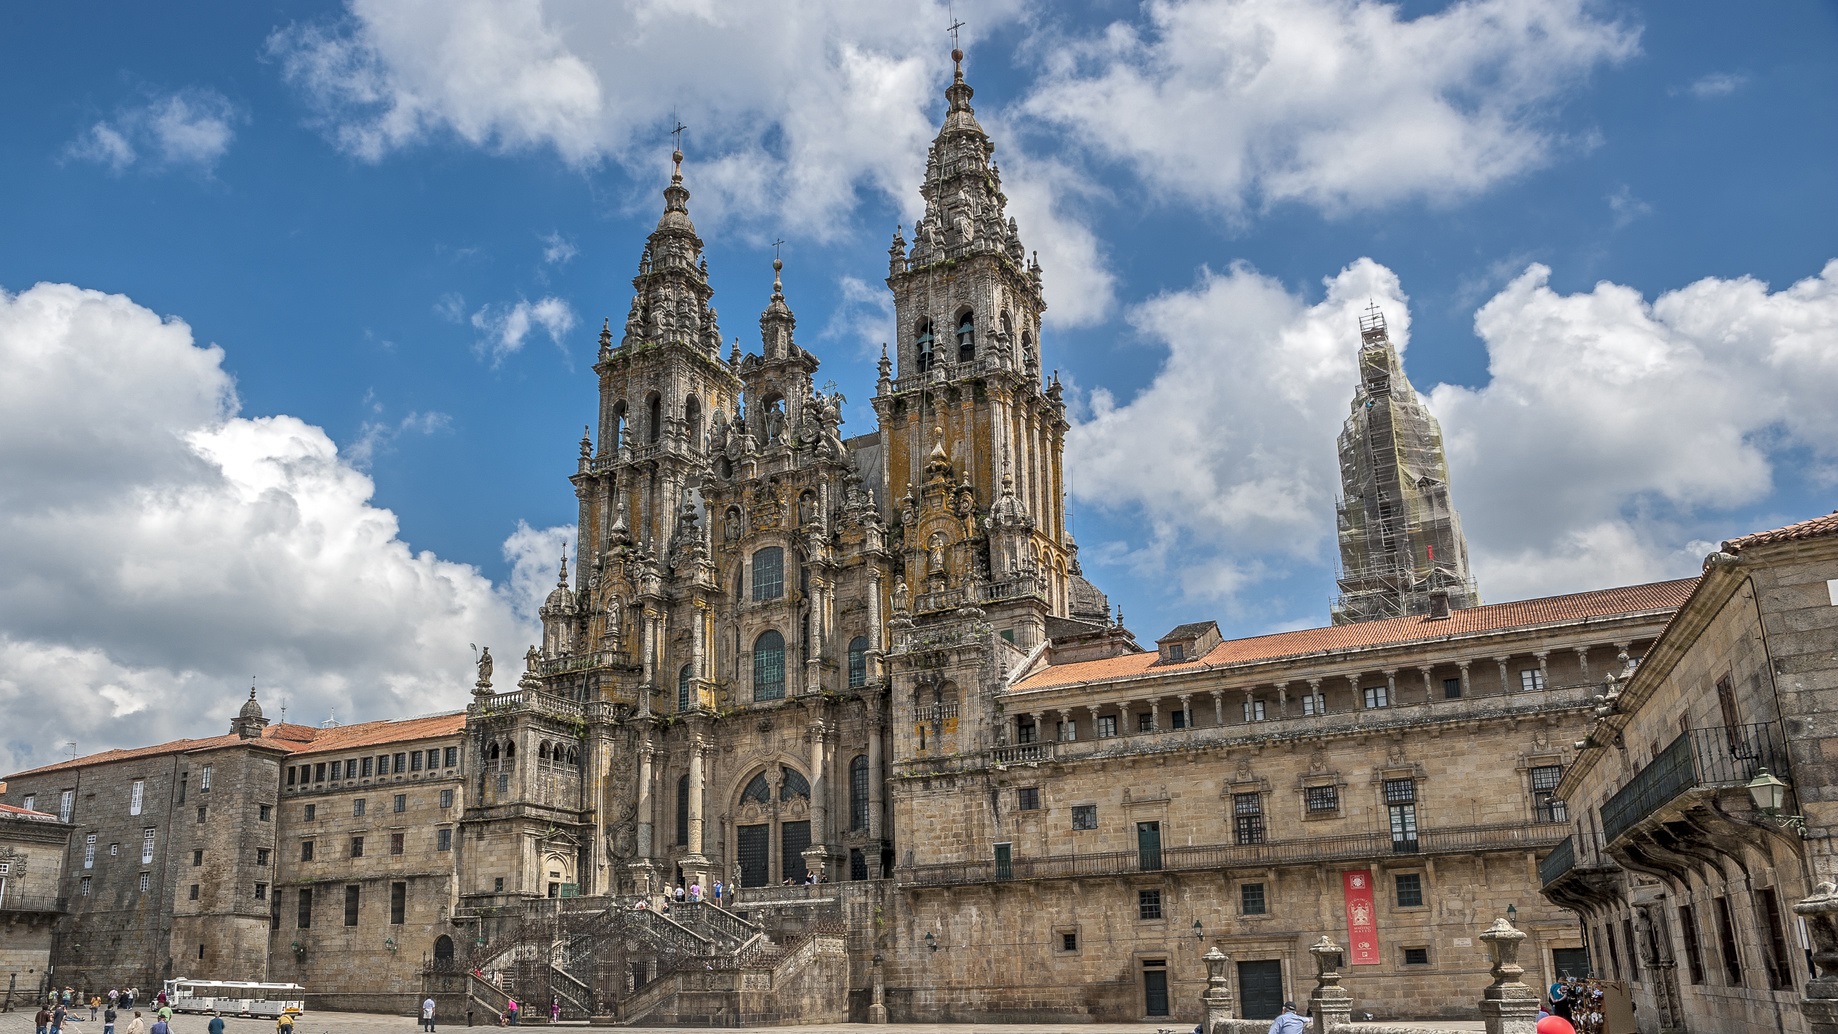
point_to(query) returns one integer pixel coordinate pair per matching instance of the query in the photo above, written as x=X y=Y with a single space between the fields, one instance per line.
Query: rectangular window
x=1178 y=720
x=30 y=803
x=433 y=758
x=1545 y=805
x=1531 y=678
x=1005 y=861
x=1254 y=711
x=146 y=846
x=1774 y=940
x=1069 y=940
x=66 y=803
x=452 y=758
x=192 y=895
x=395 y=843
x=768 y=574
x=1633 y=950
x=146 y=882
x=137 y=795
x=204 y=780
x=1248 y=818
x=89 y=851
x=1451 y=689
x=1322 y=800
x=202 y=811
x=83 y=886
x=365 y=767
x=351 y=897
x=357 y=847
x=1084 y=816
x=398 y=904
x=382 y=764
x=306 y=850
x=1027 y=798
x=1314 y=703
x=1400 y=802
x=1026 y=732
x=319 y=772
x=1377 y=696
x=1148 y=904
x=261 y=892
x=443 y=840
x=504 y=782
x=1251 y=899
x=357 y=807
x=1416 y=956
x=1694 y=952
x=401 y=760
x=304 y=920
x=1107 y=726
x=446 y=798
x=114 y=850
x=264 y=812
x=338 y=770
x=1726 y=940
x=261 y=856
x=414 y=761
x=1409 y=887
x=308 y=812
x=1067 y=731
x=401 y=803
x=197 y=857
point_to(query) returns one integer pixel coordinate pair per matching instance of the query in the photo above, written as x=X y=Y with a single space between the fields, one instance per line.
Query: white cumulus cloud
x=159 y=549
x=191 y=127
x=1333 y=103
x=506 y=326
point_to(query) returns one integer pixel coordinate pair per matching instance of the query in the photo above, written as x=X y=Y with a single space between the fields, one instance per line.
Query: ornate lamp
x=1768 y=792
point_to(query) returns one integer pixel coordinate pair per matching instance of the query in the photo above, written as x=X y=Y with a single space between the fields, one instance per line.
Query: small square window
x=193 y=895
x=401 y=803
x=1069 y=940
x=308 y=812
x=1314 y=703
x=1148 y=904
x=1027 y=798
x=264 y=813
x=261 y=856
x=1145 y=722
x=1026 y=732
x=1254 y=711
x=1378 y=696
x=1251 y=899
x=261 y=892
x=1322 y=800
x=1416 y=956
x=1107 y=726
x=1531 y=678
x=446 y=798
x=357 y=807
x=1451 y=689
x=443 y=840
x=1084 y=816
x=1177 y=720
x=1410 y=889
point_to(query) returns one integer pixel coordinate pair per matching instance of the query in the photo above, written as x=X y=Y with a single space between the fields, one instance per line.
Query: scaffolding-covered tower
x=1401 y=546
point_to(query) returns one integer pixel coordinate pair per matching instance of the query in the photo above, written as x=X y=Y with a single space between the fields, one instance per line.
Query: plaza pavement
x=19 y=1021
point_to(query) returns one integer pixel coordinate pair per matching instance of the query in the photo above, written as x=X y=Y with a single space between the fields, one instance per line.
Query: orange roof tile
x=1818 y=527
x=27 y=813
x=1497 y=617
x=392 y=730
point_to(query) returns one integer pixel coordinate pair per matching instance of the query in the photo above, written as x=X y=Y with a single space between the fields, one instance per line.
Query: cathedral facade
x=861 y=683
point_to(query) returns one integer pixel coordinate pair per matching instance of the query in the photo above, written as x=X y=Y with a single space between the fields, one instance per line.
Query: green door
x=1149 y=846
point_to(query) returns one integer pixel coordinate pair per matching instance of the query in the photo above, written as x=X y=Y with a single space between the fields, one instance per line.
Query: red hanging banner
x=1362 y=918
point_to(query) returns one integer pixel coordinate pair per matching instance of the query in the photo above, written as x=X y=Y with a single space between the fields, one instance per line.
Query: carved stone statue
x=935 y=553
x=902 y=596
x=485 y=666
x=730 y=528
x=530 y=657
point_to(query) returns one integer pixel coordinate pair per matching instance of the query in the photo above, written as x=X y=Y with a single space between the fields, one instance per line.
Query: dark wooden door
x=1260 y=989
x=755 y=855
x=794 y=837
x=1155 y=992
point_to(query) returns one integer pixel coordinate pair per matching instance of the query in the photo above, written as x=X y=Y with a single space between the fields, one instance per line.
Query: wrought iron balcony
x=1561 y=860
x=43 y=903
x=1721 y=757
x=1347 y=847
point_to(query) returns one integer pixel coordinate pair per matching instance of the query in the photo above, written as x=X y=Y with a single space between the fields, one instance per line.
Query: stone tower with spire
x=1401 y=546
x=973 y=437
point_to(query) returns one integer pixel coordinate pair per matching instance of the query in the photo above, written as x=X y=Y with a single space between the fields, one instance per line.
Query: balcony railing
x=16 y=903
x=1716 y=758
x=1347 y=847
x=1561 y=860
x=1023 y=753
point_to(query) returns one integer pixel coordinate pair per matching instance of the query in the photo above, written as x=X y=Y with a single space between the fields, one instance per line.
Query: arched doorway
x=772 y=827
x=443 y=952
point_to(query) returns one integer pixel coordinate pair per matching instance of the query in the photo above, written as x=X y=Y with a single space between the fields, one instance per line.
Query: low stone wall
x=403 y=1004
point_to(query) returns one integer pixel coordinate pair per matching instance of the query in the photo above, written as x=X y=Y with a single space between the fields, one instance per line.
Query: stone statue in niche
x=807 y=509
x=730 y=528
x=935 y=554
x=902 y=596
x=775 y=422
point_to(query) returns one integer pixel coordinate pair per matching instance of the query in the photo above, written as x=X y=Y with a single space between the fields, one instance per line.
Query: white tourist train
x=235 y=997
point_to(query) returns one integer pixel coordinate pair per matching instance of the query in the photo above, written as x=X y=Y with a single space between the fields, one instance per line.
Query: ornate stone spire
x=777 y=322
x=671 y=304
x=1401 y=545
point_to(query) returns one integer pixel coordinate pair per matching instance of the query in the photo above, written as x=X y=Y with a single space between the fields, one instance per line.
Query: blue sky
x=1602 y=229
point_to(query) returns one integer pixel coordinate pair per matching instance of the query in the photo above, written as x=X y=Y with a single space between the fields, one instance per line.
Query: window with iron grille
x=357 y=847
x=1248 y=817
x=1409 y=886
x=1084 y=816
x=1451 y=688
x=1545 y=805
x=769 y=666
x=1400 y=803
x=1416 y=956
x=1400 y=791
x=1251 y=900
x=1148 y=904
x=682 y=689
x=858 y=793
x=1027 y=798
x=768 y=574
x=1321 y=800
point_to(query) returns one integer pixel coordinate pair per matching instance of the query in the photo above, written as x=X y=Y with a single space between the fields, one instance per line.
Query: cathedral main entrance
x=772 y=817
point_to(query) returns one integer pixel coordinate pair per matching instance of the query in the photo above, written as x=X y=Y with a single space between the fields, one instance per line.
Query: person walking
x=1288 y=1022
x=95 y=1005
x=43 y=1020
x=718 y=890
x=58 y=1015
x=216 y=1026
x=427 y=1014
x=511 y=1009
x=555 y=1009
x=108 y=1019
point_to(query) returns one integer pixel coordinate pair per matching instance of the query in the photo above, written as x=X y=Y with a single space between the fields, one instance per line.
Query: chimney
x=1439 y=605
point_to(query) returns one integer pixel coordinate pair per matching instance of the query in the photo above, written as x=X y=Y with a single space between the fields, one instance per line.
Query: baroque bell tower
x=973 y=438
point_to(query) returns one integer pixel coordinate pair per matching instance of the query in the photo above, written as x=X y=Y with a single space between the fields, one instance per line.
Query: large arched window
x=858 y=662
x=858 y=792
x=443 y=951
x=768 y=574
x=618 y=425
x=682 y=810
x=925 y=346
x=682 y=689
x=769 y=666
x=793 y=784
x=966 y=337
x=758 y=791
x=654 y=422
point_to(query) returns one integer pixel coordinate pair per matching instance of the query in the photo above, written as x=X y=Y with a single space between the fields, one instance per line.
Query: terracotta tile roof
x=285 y=737
x=394 y=730
x=1818 y=527
x=1497 y=617
x=27 y=814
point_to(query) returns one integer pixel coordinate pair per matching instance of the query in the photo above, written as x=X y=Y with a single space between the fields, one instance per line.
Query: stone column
x=877 y=1012
x=698 y=647
x=1429 y=686
x=1505 y=685
x=1330 y=1004
x=875 y=646
x=1040 y=725
x=1507 y=1006
x=1093 y=708
x=1068 y=729
x=1391 y=688
x=1582 y=660
x=816 y=856
x=1217 y=999
x=1466 y=688
x=876 y=731
x=1155 y=715
x=1820 y=1001
x=1544 y=667
x=1314 y=691
x=648 y=651
x=695 y=863
x=1250 y=697
x=1282 y=700
x=1186 y=710
x=1123 y=719
x=1218 y=707
x=647 y=755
